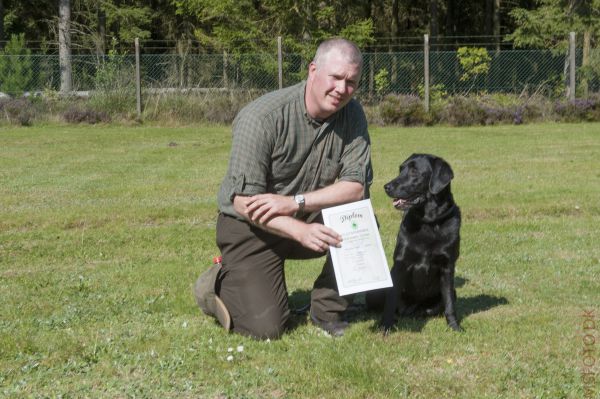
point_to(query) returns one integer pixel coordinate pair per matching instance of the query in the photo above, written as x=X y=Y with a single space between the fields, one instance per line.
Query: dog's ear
x=440 y=176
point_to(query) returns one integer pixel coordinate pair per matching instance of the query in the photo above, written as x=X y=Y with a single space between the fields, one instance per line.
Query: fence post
x=426 y=71
x=225 y=79
x=571 y=93
x=371 y=74
x=138 y=83
x=279 y=62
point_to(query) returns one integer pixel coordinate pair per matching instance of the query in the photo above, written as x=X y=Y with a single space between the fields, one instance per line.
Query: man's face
x=330 y=85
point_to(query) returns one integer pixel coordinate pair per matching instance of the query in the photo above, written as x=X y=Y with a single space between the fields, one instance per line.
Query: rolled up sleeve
x=249 y=161
x=356 y=157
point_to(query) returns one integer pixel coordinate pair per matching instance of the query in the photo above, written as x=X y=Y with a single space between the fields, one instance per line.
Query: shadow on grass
x=299 y=302
x=464 y=308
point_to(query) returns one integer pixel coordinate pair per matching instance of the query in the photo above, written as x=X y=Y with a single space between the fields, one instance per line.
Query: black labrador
x=427 y=245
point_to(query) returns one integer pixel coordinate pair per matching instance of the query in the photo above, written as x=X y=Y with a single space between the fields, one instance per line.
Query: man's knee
x=269 y=324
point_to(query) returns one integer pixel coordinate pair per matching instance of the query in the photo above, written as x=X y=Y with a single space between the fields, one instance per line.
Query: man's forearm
x=339 y=193
x=282 y=225
x=274 y=212
x=314 y=236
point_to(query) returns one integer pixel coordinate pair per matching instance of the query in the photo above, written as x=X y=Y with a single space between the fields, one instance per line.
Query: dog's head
x=420 y=177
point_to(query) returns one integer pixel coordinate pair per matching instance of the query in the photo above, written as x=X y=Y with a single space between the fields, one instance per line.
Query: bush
x=492 y=109
x=15 y=66
x=116 y=103
x=213 y=106
x=114 y=88
x=578 y=109
x=18 y=111
x=77 y=114
x=403 y=110
x=461 y=111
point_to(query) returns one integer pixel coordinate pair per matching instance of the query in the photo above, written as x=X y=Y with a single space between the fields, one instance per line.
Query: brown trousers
x=252 y=281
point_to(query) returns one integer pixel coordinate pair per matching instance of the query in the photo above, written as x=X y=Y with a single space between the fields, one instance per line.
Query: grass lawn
x=104 y=229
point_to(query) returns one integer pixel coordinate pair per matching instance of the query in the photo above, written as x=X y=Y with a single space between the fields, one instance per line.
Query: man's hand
x=313 y=236
x=263 y=207
x=318 y=237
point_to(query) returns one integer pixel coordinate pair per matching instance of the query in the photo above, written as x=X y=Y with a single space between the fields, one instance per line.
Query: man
x=295 y=151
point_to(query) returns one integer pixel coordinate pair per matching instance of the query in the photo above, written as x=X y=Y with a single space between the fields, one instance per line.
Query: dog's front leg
x=449 y=297
x=389 y=310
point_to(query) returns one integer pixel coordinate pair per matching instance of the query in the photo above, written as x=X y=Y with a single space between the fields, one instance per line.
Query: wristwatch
x=299 y=198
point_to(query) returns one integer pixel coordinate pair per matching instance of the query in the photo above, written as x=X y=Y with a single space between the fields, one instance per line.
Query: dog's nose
x=387 y=187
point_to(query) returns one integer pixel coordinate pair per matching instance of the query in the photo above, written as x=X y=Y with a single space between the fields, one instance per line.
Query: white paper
x=360 y=264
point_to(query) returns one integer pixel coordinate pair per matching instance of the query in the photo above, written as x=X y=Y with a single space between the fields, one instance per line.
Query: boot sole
x=222 y=314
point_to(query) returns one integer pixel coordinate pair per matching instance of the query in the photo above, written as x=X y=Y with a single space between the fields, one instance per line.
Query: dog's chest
x=423 y=247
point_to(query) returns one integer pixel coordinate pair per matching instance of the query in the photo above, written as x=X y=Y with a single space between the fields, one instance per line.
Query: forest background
x=45 y=35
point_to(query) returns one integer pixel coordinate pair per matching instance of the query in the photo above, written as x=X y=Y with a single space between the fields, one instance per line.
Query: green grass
x=104 y=229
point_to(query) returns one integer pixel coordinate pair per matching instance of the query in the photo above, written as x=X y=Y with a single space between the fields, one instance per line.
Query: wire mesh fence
x=508 y=71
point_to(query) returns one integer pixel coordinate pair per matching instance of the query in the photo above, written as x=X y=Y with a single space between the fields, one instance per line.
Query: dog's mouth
x=405 y=203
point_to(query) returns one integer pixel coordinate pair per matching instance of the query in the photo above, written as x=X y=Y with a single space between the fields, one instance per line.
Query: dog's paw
x=456 y=327
x=386 y=328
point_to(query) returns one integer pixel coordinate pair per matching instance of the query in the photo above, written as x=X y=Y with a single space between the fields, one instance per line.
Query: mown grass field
x=104 y=229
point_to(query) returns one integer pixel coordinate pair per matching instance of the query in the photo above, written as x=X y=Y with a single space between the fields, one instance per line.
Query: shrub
x=403 y=110
x=77 y=114
x=535 y=109
x=214 y=107
x=15 y=66
x=578 y=110
x=114 y=88
x=382 y=81
x=462 y=111
x=500 y=109
x=18 y=111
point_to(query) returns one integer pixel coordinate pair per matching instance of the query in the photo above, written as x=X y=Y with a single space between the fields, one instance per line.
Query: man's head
x=333 y=77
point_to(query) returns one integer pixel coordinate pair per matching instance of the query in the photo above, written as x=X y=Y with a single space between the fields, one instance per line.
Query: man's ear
x=440 y=176
x=312 y=67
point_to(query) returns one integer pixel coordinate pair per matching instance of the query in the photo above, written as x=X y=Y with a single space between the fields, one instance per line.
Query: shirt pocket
x=330 y=172
x=284 y=174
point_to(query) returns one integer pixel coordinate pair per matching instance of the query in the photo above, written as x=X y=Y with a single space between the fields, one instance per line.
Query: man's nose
x=341 y=86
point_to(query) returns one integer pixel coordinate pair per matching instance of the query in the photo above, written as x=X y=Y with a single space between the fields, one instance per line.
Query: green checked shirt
x=278 y=148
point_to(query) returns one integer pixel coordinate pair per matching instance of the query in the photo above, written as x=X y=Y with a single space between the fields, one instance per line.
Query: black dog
x=427 y=246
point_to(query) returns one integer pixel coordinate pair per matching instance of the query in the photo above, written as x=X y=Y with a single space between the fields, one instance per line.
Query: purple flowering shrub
x=580 y=109
x=405 y=110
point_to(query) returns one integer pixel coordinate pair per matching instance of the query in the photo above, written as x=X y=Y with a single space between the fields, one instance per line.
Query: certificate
x=360 y=263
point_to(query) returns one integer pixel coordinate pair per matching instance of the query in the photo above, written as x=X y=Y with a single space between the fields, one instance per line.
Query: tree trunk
x=64 y=45
x=489 y=17
x=433 y=21
x=1 y=23
x=101 y=41
x=395 y=30
x=497 y=24
x=450 y=20
x=395 y=27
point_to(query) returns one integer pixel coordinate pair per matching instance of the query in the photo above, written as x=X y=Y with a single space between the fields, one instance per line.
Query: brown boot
x=207 y=299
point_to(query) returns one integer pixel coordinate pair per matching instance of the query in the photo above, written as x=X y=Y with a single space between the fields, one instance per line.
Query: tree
x=64 y=45
x=15 y=66
x=548 y=25
x=1 y=22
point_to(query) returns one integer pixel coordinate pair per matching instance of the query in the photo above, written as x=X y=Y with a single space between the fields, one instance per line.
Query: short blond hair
x=348 y=48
